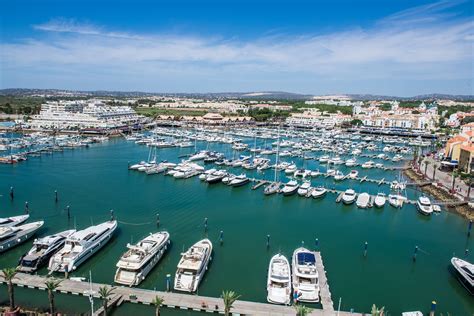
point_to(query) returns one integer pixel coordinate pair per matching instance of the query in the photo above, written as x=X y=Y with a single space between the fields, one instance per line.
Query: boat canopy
x=306 y=258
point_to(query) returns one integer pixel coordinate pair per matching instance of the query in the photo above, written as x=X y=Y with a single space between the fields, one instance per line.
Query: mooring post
x=221 y=237
x=316 y=243
x=168 y=282
x=365 y=249
x=205 y=224
x=68 y=211
x=112 y=215
x=56 y=196
x=12 y=193
x=157 y=219
x=433 y=308
x=27 y=208
x=268 y=241
x=414 y=254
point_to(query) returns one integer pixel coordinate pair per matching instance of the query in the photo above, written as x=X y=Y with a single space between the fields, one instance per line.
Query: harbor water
x=95 y=180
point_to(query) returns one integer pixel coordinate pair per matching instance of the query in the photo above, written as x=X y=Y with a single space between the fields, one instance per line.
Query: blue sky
x=393 y=47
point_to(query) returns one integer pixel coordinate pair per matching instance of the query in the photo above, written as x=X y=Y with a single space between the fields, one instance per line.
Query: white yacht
x=192 y=266
x=353 y=174
x=12 y=236
x=291 y=169
x=323 y=159
x=279 y=280
x=318 y=192
x=141 y=258
x=290 y=188
x=380 y=199
x=304 y=188
x=336 y=161
x=464 y=273
x=424 y=205
x=349 y=196
x=43 y=249
x=305 y=275
x=80 y=246
x=239 y=180
x=351 y=162
x=368 y=164
x=338 y=176
x=396 y=200
x=216 y=177
x=13 y=221
x=272 y=188
x=363 y=200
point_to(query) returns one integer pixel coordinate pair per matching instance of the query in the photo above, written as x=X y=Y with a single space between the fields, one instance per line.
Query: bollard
x=414 y=254
x=433 y=308
x=12 y=194
x=469 y=228
x=168 y=282
x=68 y=211
x=302 y=243
x=365 y=249
x=316 y=242
x=112 y=215
x=205 y=224
x=157 y=219
x=221 y=237
x=27 y=208
x=466 y=252
x=56 y=196
x=268 y=241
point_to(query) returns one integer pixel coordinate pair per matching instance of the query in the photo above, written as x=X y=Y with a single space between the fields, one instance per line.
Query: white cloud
x=422 y=43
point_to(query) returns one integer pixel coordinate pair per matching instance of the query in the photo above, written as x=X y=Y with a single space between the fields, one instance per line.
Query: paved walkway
x=445 y=178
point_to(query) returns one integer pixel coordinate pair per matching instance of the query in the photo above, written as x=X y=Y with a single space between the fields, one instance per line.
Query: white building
x=316 y=119
x=83 y=114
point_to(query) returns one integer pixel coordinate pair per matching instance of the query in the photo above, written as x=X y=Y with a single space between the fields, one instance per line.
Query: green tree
x=51 y=286
x=356 y=122
x=229 y=298
x=104 y=293
x=157 y=301
x=377 y=311
x=8 y=275
x=302 y=310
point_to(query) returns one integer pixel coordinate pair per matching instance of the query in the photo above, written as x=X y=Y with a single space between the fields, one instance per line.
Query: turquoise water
x=95 y=180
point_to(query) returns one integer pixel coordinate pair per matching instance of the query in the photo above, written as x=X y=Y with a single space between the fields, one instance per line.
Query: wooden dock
x=178 y=300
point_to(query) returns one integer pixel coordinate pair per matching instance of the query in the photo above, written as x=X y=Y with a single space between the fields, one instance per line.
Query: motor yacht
x=363 y=200
x=368 y=164
x=192 y=266
x=380 y=199
x=13 y=221
x=216 y=176
x=396 y=200
x=43 y=248
x=290 y=188
x=304 y=188
x=305 y=275
x=465 y=273
x=338 y=176
x=349 y=196
x=11 y=236
x=291 y=169
x=279 y=280
x=351 y=162
x=80 y=246
x=324 y=159
x=353 y=174
x=141 y=258
x=239 y=180
x=424 y=206
x=318 y=192
x=336 y=161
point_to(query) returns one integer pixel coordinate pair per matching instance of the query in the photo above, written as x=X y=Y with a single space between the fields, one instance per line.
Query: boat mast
x=277 y=155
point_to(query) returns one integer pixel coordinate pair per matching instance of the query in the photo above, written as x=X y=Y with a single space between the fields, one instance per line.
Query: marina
x=191 y=207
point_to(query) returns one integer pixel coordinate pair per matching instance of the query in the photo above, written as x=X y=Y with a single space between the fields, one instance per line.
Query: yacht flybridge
x=14 y=235
x=43 y=248
x=80 y=246
x=13 y=221
x=424 y=205
x=305 y=275
x=192 y=266
x=141 y=258
x=465 y=273
x=279 y=280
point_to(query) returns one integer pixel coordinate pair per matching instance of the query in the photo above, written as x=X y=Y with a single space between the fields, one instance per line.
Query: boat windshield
x=468 y=272
x=29 y=263
x=306 y=258
x=425 y=202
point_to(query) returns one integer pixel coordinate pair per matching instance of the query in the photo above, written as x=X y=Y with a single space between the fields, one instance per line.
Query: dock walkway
x=183 y=301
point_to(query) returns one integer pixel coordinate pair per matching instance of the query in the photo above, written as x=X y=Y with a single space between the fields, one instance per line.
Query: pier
x=180 y=301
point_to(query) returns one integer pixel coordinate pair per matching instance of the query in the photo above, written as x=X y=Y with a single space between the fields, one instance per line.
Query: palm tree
x=9 y=274
x=302 y=310
x=435 y=167
x=104 y=294
x=229 y=298
x=377 y=311
x=51 y=286
x=158 y=301
x=469 y=181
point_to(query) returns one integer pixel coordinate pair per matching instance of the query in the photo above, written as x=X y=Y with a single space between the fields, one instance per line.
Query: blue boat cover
x=306 y=257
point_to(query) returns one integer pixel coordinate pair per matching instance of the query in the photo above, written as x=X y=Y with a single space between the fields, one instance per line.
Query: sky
x=385 y=47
